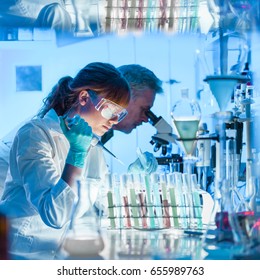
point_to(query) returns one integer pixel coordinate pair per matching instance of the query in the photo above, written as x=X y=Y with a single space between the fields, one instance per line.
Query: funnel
x=222 y=87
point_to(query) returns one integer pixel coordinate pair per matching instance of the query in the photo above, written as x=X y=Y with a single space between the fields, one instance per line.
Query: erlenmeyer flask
x=224 y=234
x=83 y=238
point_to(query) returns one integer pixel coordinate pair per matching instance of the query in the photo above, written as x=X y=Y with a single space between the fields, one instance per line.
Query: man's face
x=136 y=111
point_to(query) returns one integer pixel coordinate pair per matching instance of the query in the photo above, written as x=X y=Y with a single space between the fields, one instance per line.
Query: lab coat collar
x=52 y=120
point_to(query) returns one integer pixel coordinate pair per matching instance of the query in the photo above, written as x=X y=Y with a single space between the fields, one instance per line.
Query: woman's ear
x=83 y=97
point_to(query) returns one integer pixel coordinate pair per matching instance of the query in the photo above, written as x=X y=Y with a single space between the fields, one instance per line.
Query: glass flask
x=224 y=236
x=83 y=238
x=186 y=116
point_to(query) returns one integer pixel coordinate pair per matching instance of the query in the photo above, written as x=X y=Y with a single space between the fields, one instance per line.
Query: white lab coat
x=37 y=201
x=5 y=146
x=4 y=163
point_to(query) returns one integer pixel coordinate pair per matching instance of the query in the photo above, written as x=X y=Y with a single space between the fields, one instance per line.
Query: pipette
x=141 y=156
x=96 y=142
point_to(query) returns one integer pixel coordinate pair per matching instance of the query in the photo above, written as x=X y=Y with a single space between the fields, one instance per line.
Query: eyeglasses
x=109 y=109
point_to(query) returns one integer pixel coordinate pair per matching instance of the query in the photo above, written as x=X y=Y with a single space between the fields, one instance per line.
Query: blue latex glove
x=79 y=135
x=146 y=163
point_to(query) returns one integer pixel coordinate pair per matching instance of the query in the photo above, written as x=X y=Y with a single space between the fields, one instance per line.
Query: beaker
x=83 y=238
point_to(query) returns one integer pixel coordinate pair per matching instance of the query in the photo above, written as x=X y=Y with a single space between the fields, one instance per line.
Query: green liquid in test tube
x=182 y=206
x=196 y=201
x=134 y=205
x=197 y=205
x=174 y=208
x=166 y=215
x=111 y=213
x=111 y=210
x=117 y=194
x=173 y=201
x=186 y=187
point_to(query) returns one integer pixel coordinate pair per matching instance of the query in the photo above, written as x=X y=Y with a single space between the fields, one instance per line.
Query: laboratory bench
x=164 y=244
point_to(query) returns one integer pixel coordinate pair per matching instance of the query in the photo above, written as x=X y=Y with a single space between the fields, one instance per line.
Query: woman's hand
x=79 y=135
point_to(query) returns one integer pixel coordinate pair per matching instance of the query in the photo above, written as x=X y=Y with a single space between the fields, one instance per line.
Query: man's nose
x=144 y=118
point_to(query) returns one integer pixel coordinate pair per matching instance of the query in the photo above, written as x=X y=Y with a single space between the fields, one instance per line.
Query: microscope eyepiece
x=153 y=119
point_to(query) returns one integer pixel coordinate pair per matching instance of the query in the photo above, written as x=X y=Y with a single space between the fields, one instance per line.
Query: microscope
x=163 y=138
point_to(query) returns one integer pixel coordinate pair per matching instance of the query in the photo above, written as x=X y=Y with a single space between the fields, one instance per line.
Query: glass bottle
x=83 y=238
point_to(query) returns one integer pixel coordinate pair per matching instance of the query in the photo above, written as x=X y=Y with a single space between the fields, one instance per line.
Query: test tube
x=117 y=195
x=196 y=201
x=149 y=200
x=173 y=199
x=231 y=156
x=157 y=200
x=140 y=186
x=165 y=203
x=182 y=205
x=134 y=206
x=188 y=199
x=111 y=212
x=123 y=179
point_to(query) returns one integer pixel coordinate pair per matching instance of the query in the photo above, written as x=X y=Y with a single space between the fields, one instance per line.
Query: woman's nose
x=113 y=120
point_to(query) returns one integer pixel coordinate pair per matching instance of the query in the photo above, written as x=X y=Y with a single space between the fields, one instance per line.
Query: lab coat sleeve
x=40 y=172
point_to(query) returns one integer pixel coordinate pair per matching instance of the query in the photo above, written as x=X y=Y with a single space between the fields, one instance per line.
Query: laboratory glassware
x=165 y=200
x=140 y=191
x=223 y=225
x=181 y=198
x=133 y=200
x=174 y=200
x=203 y=153
x=83 y=238
x=186 y=116
x=157 y=199
x=110 y=201
x=126 y=201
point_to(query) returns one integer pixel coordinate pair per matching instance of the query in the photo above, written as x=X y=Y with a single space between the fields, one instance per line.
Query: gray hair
x=140 y=78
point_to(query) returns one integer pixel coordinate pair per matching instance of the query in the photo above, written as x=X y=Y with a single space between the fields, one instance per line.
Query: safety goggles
x=109 y=109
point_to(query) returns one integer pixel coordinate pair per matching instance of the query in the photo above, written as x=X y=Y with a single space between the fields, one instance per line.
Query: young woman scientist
x=49 y=152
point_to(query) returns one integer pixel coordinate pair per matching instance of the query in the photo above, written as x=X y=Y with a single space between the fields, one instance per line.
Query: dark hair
x=140 y=78
x=103 y=78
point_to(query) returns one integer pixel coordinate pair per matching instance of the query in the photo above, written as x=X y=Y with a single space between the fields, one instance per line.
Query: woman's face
x=100 y=114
